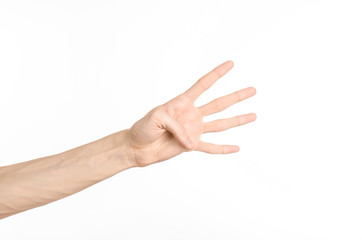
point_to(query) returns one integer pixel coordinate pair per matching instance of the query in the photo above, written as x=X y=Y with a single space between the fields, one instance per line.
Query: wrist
x=123 y=154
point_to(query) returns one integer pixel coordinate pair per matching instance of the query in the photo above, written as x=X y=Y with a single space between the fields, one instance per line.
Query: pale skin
x=166 y=131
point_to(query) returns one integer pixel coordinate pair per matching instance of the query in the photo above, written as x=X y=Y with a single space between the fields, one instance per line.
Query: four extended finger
x=208 y=80
x=224 y=102
x=223 y=124
x=216 y=149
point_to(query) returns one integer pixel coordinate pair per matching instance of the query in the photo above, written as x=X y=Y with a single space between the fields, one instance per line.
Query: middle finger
x=224 y=102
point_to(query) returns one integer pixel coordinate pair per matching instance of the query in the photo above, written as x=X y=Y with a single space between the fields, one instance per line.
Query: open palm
x=176 y=126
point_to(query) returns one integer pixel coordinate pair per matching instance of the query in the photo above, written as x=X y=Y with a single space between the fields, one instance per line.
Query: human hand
x=176 y=126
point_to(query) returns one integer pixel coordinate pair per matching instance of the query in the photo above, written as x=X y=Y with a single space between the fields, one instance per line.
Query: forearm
x=37 y=182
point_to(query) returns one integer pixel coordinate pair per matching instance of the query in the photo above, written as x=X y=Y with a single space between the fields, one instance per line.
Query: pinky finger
x=215 y=148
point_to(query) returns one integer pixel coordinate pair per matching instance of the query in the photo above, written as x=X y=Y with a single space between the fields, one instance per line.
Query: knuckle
x=215 y=72
x=219 y=104
x=153 y=115
x=240 y=95
x=203 y=84
x=170 y=111
x=156 y=113
x=178 y=105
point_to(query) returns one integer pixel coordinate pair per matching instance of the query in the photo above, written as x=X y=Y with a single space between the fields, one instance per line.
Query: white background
x=74 y=71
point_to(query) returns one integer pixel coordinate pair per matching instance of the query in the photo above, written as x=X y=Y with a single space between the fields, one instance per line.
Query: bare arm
x=37 y=182
x=164 y=132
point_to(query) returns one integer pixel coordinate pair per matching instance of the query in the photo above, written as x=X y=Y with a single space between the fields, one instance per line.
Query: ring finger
x=223 y=124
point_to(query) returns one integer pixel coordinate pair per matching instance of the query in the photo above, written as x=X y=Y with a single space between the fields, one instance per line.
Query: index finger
x=208 y=80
